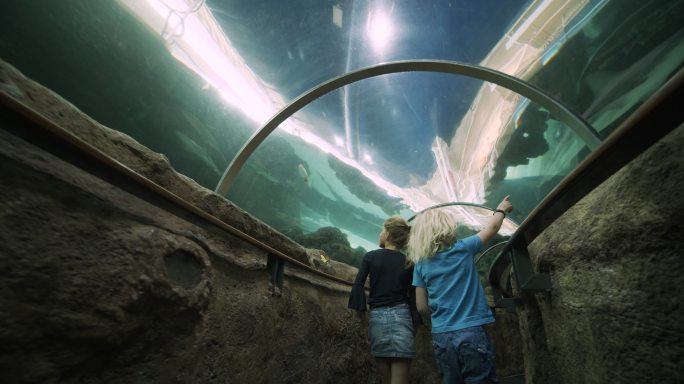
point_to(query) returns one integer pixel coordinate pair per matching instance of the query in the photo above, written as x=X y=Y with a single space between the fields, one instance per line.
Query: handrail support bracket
x=527 y=279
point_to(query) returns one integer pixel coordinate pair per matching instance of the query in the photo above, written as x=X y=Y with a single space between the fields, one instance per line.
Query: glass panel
x=104 y=61
x=297 y=45
x=611 y=57
x=398 y=148
x=194 y=79
x=539 y=152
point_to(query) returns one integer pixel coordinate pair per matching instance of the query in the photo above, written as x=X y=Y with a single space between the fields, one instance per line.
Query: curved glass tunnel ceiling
x=392 y=144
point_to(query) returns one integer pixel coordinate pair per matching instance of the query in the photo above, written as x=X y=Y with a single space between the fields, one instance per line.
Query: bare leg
x=385 y=369
x=400 y=371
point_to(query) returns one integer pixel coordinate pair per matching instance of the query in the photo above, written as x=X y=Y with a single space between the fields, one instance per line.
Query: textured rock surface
x=103 y=285
x=614 y=314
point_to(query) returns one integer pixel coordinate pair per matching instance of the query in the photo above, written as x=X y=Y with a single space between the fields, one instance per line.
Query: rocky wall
x=615 y=259
x=104 y=283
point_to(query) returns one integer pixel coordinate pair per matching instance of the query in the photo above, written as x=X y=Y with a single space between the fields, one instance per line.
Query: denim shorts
x=465 y=356
x=390 y=330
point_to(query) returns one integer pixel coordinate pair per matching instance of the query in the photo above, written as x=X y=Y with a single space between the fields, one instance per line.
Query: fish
x=303 y=173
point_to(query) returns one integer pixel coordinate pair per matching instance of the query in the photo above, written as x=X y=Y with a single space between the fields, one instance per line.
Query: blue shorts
x=390 y=330
x=465 y=356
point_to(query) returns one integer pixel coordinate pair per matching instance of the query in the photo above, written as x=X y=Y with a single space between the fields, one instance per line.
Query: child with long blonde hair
x=448 y=290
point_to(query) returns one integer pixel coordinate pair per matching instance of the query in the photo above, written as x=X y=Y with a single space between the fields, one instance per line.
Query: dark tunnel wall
x=615 y=259
x=91 y=291
x=105 y=284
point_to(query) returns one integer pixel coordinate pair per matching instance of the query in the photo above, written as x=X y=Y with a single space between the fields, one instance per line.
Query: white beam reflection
x=195 y=38
x=482 y=133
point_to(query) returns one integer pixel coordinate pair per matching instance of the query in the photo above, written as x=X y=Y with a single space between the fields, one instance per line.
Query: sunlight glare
x=367 y=158
x=379 y=29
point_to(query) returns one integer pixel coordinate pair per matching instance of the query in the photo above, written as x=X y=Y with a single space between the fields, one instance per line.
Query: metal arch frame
x=583 y=129
x=447 y=205
x=458 y=203
x=486 y=251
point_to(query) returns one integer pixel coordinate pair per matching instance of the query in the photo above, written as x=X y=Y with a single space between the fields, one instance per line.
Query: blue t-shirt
x=455 y=295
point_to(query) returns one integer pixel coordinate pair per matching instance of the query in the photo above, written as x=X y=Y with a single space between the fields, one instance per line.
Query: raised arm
x=494 y=224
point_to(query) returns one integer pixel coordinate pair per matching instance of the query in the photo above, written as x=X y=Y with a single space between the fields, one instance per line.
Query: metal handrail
x=100 y=157
x=441 y=205
x=656 y=117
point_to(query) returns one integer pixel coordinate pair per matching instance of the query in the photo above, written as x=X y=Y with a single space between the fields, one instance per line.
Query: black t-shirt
x=390 y=280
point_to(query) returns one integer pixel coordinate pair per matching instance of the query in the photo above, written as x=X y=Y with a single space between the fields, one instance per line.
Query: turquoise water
x=195 y=82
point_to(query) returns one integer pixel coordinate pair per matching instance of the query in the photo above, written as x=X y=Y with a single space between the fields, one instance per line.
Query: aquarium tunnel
x=158 y=152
